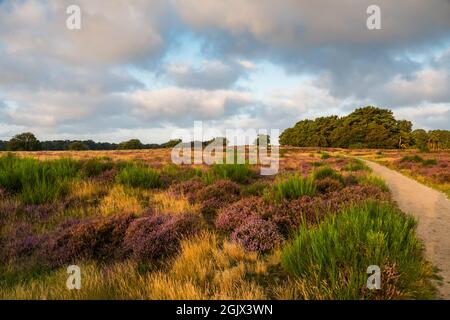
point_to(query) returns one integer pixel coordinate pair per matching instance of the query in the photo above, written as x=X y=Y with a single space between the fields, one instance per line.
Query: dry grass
x=119 y=199
x=167 y=202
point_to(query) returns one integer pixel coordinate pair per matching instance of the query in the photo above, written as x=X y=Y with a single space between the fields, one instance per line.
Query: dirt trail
x=432 y=210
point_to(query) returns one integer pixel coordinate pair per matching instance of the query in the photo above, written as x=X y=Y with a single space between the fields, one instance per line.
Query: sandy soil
x=432 y=210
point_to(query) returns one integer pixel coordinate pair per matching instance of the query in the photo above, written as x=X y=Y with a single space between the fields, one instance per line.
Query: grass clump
x=96 y=166
x=37 y=182
x=325 y=155
x=139 y=176
x=338 y=252
x=240 y=173
x=294 y=187
x=327 y=173
x=373 y=181
x=419 y=159
x=356 y=165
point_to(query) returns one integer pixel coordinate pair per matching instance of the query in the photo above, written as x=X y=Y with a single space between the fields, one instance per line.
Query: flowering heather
x=231 y=217
x=153 y=237
x=19 y=242
x=217 y=195
x=98 y=238
x=257 y=235
x=190 y=188
x=328 y=185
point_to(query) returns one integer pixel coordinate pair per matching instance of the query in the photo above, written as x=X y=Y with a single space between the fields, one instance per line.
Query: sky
x=145 y=69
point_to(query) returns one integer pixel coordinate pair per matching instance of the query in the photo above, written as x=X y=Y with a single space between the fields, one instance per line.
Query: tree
x=420 y=139
x=171 y=143
x=77 y=146
x=24 y=142
x=130 y=145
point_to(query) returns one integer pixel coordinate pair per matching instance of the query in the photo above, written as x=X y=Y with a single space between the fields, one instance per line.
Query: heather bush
x=231 y=217
x=19 y=242
x=374 y=181
x=153 y=237
x=217 y=195
x=327 y=185
x=255 y=189
x=375 y=234
x=189 y=188
x=96 y=238
x=257 y=235
x=139 y=176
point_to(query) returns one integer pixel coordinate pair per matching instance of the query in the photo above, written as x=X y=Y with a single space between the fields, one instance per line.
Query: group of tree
x=368 y=127
x=27 y=141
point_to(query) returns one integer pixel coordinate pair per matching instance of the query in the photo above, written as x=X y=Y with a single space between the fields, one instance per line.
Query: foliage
x=240 y=173
x=130 y=145
x=24 y=142
x=139 y=176
x=292 y=187
x=77 y=146
x=375 y=234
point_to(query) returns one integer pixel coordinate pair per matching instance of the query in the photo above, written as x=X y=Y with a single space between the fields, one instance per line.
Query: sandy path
x=432 y=210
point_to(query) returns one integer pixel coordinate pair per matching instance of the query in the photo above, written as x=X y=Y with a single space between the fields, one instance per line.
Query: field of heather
x=430 y=168
x=139 y=227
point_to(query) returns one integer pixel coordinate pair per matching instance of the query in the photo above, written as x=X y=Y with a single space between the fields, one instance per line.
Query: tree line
x=27 y=141
x=368 y=127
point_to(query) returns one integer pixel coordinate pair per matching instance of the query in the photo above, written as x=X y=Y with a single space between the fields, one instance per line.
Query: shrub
x=325 y=155
x=217 y=195
x=255 y=189
x=327 y=173
x=153 y=237
x=231 y=217
x=240 y=173
x=429 y=162
x=97 y=238
x=375 y=234
x=373 y=181
x=189 y=188
x=327 y=185
x=95 y=167
x=415 y=158
x=139 y=176
x=356 y=165
x=257 y=235
x=293 y=187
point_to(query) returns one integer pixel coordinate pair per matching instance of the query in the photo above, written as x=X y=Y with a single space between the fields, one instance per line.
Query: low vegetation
x=140 y=228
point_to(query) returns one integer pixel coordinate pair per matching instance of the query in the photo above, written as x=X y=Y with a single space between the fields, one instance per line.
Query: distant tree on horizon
x=132 y=144
x=77 y=146
x=23 y=142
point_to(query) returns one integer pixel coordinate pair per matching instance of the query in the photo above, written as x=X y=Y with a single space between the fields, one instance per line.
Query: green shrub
x=325 y=155
x=240 y=173
x=318 y=164
x=293 y=187
x=429 y=162
x=139 y=176
x=414 y=158
x=374 y=181
x=94 y=167
x=337 y=253
x=327 y=172
x=356 y=165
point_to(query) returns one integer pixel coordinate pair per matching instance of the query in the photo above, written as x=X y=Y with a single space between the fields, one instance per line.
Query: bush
x=375 y=234
x=216 y=196
x=95 y=167
x=414 y=158
x=356 y=165
x=153 y=237
x=98 y=239
x=373 y=181
x=328 y=184
x=138 y=176
x=240 y=173
x=327 y=173
x=293 y=187
x=234 y=215
x=429 y=162
x=325 y=155
x=257 y=235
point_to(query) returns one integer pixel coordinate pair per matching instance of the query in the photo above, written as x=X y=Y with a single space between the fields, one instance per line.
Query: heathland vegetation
x=146 y=230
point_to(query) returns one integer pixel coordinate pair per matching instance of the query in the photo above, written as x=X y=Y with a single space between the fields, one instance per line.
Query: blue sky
x=142 y=69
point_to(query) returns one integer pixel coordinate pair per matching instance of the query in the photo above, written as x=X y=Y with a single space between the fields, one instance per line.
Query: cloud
x=211 y=74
